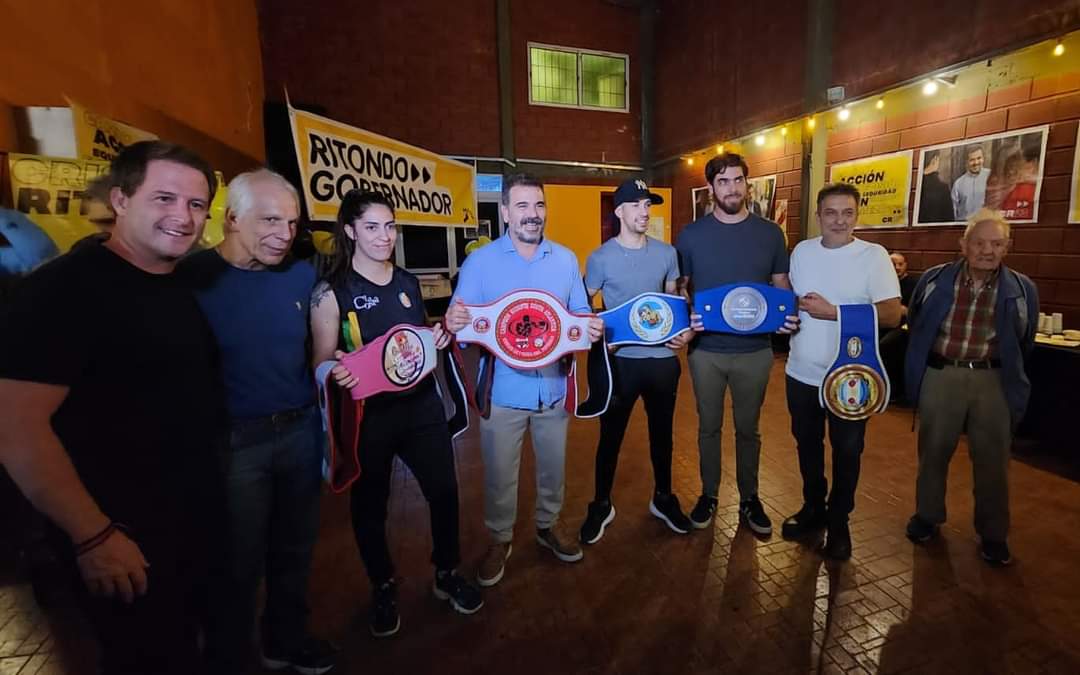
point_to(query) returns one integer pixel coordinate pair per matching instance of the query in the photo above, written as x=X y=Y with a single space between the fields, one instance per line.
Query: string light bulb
x=760 y=140
x=930 y=88
x=1059 y=48
x=880 y=103
x=811 y=122
x=843 y=114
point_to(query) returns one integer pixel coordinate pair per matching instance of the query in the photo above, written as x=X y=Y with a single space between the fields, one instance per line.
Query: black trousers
x=845 y=437
x=413 y=428
x=656 y=381
x=157 y=634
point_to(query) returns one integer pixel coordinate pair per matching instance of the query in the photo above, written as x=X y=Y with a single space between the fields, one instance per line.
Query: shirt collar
x=508 y=245
x=965 y=276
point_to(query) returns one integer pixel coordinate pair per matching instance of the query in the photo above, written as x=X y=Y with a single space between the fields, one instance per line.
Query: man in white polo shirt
x=827 y=271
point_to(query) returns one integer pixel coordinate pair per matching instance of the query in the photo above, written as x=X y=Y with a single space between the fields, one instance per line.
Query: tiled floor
x=718 y=600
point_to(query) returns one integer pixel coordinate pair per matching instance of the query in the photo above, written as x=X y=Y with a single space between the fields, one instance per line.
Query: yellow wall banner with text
x=51 y=192
x=100 y=138
x=884 y=183
x=1074 y=194
x=425 y=188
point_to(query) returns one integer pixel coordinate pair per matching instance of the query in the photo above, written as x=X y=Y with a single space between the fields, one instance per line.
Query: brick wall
x=426 y=72
x=725 y=69
x=421 y=71
x=878 y=44
x=545 y=132
x=1047 y=250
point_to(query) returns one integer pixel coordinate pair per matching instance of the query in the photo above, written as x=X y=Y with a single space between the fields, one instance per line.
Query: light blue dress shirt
x=493 y=271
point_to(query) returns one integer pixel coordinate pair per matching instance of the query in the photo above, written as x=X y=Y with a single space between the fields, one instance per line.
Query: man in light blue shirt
x=520 y=399
x=969 y=190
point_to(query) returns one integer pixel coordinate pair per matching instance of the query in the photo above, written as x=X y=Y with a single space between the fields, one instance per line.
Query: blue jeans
x=273 y=483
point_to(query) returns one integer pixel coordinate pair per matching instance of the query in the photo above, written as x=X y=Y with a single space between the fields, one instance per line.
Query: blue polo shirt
x=497 y=269
x=260 y=321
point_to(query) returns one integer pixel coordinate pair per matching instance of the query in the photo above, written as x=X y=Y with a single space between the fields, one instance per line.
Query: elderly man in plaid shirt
x=972 y=325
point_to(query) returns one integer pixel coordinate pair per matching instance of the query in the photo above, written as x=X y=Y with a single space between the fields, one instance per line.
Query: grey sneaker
x=564 y=547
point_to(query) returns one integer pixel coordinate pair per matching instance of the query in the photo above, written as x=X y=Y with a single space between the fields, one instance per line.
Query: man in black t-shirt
x=111 y=406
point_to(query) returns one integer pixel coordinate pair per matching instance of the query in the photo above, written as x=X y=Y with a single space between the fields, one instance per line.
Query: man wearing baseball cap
x=625 y=266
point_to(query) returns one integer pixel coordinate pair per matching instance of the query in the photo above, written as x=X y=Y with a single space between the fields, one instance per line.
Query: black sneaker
x=995 y=552
x=666 y=508
x=314 y=657
x=838 y=542
x=596 y=521
x=702 y=515
x=463 y=596
x=384 y=614
x=919 y=531
x=809 y=519
x=752 y=513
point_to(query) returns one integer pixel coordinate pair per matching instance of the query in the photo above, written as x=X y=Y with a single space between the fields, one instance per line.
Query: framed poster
x=702 y=198
x=761 y=195
x=1074 y=193
x=1000 y=171
x=884 y=184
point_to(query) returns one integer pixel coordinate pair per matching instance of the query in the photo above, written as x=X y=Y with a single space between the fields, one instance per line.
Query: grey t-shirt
x=712 y=254
x=621 y=273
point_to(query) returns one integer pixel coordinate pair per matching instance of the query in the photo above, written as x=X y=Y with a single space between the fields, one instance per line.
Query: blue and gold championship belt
x=646 y=319
x=856 y=385
x=744 y=308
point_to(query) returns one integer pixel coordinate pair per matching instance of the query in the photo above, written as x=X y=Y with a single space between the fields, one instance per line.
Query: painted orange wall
x=573 y=216
x=189 y=71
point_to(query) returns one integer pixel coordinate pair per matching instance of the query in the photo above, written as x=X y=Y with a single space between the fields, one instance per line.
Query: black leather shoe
x=838 y=542
x=809 y=519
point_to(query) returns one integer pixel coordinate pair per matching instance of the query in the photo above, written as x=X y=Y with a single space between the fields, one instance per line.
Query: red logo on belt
x=528 y=330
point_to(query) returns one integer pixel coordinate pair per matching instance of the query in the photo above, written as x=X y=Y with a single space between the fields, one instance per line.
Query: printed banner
x=425 y=188
x=884 y=184
x=100 y=138
x=51 y=191
x=1002 y=172
x=1074 y=194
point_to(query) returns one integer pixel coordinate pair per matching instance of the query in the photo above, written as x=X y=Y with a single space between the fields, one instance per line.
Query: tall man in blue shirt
x=257 y=304
x=522 y=259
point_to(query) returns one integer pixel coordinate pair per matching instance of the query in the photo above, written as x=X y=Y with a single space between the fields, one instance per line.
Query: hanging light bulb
x=880 y=103
x=930 y=88
x=844 y=114
x=760 y=140
x=1059 y=48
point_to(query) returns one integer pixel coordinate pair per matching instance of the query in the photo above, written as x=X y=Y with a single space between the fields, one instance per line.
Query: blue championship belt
x=744 y=308
x=856 y=385
x=646 y=319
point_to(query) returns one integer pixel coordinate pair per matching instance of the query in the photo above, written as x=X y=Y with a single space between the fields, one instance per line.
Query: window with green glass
x=577 y=78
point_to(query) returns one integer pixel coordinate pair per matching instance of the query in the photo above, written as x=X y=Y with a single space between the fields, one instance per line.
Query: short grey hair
x=241 y=193
x=985 y=215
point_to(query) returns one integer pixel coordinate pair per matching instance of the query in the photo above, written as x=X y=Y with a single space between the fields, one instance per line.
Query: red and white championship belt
x=527 y=329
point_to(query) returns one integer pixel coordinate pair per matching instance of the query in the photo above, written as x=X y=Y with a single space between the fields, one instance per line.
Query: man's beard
x=727 y=208
x=526 y=237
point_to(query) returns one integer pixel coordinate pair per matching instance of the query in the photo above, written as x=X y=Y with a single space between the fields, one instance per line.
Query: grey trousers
x=954 y=400
x=501 y=436
x=748 y=376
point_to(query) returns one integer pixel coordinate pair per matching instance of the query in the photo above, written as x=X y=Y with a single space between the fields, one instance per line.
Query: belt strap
x=939 y=361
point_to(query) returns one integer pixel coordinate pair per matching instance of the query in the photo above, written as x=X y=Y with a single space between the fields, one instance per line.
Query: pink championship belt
x=527 y=329
x=395 y=361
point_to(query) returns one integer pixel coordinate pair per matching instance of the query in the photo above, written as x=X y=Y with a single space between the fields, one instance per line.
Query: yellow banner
x=884 y=184
x=100 y=138
x=51 y=191
x=425 y=188
x=1074 y=194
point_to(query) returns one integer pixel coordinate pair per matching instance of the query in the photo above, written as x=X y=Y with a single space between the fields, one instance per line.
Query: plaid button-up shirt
x=968 y=331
